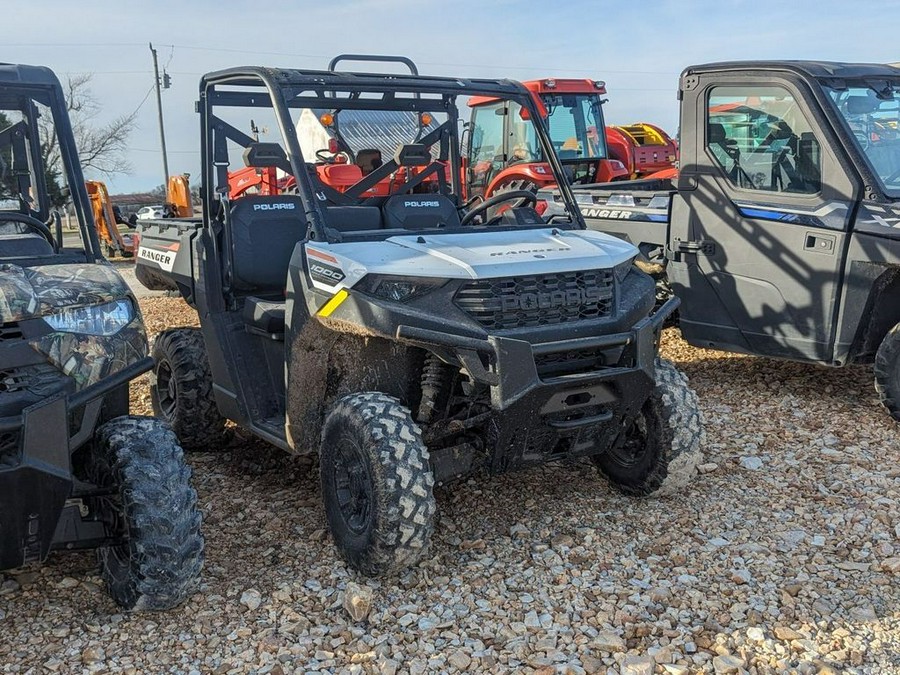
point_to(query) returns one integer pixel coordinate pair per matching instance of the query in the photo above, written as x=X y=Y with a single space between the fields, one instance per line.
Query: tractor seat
x=368 y=160
x=264 y=317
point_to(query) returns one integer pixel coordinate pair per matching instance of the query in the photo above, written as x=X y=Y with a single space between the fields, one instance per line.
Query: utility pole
x=162 y=129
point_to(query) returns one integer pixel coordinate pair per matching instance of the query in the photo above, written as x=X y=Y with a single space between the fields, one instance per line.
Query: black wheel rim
x=167 y=389
x=352 y=485
x=634 y=447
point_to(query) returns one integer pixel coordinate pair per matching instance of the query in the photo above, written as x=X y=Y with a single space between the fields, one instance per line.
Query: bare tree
x=102 y=148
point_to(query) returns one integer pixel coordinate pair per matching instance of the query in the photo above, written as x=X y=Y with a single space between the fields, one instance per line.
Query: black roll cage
x=22 y=86
x=284 y=90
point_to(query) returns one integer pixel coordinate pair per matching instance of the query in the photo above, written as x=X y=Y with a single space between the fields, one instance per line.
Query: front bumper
x=36 y=481
x=539 y=416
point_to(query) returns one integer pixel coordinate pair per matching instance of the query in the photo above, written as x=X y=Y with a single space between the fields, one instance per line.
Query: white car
x=148 y=212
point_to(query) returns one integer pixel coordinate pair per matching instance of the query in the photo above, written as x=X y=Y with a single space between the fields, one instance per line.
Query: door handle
x=819 y=243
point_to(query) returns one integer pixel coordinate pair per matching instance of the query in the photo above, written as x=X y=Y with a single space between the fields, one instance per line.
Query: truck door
x=760 y=219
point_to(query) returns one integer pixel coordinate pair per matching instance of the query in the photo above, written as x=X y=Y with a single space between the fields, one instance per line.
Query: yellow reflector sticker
x=334 y=303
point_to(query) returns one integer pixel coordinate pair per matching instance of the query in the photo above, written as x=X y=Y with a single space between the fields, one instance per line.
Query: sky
x=638 y=49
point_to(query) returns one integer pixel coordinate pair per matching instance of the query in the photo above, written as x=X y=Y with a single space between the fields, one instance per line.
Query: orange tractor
x=503 y=155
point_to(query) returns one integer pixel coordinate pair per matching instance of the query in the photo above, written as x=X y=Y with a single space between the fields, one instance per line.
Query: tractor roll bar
x=374 y=57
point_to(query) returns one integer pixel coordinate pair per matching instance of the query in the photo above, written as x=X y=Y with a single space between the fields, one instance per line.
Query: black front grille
x=538 y=300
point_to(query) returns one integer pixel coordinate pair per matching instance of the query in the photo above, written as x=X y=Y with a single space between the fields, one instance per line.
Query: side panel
x=870 y=305
x=758 y=238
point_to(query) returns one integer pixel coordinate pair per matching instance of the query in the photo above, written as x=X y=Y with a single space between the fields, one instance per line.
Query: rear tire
x=153 y=508
x=661 y=450
x=887 y=372
x=181 y=390
x=510 y=186
x=376 y=483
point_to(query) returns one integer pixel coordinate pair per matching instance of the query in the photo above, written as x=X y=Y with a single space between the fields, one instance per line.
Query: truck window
x=762 y=141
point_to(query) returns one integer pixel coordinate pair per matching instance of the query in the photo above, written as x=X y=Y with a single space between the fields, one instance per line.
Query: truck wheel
x=376 y=483
x=152 y=507
x=661 y=450
x=181 y=389
x=887 y=372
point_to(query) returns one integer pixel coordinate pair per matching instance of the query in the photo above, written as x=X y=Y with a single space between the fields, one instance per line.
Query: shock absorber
x=434 y=383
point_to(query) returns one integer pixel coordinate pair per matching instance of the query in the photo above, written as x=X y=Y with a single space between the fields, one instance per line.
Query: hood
x=482 y=254
x=27 y=292
x=486 y=254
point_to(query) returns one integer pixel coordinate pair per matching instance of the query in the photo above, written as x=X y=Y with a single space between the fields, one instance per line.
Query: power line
x=227 y=50
x=184 y=152
x=427 y=63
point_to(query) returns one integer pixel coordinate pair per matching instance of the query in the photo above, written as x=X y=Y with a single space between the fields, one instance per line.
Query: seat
x=353 y=218
x=420 y=212
x=25 y=245
x=264 y=317
x=368 y=160
x=264 y=231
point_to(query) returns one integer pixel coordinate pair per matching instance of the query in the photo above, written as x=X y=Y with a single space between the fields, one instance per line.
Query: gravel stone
x=751 y=463
x=357 y=601
x=251 y=599
x=548 y=557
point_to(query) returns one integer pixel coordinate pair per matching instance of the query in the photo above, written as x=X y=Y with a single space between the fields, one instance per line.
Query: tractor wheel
x=181 y=390
x=376 y=483
x=517 y=184
x=887 y=372
x=151 y=509
x=660 y=451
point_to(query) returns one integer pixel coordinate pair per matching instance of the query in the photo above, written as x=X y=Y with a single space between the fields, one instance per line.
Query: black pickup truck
x=781 y=232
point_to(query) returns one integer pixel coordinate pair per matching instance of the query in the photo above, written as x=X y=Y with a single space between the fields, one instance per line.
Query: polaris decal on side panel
x=165 y=259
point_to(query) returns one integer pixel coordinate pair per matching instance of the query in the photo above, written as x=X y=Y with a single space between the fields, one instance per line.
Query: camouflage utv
x=76 y=471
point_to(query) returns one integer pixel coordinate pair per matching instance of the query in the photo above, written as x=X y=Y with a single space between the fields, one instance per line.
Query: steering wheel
x=33 y=224
x=525 y=196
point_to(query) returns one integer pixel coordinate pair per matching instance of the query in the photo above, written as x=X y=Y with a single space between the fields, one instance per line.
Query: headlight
x=105 y=319
x=398 y=289
x=622 y=269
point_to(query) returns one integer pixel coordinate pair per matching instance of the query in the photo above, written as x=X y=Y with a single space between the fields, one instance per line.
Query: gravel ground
x=783 y=556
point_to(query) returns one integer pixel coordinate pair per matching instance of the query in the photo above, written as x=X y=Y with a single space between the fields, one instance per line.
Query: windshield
x=575 y=124
x=32 y=163
x=871 y=112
